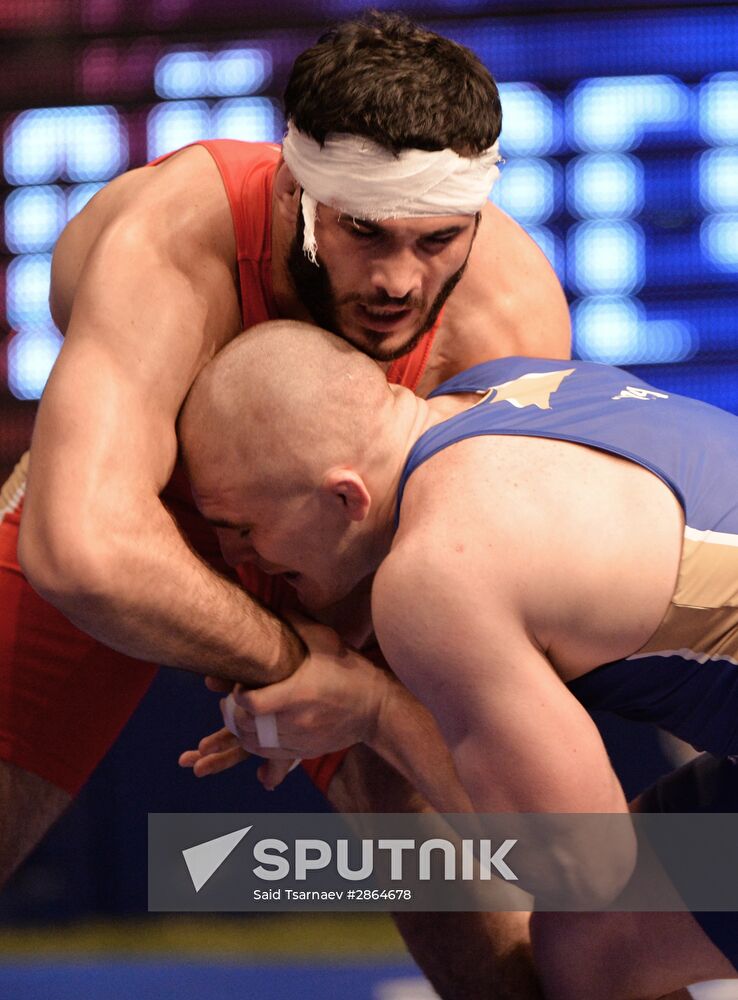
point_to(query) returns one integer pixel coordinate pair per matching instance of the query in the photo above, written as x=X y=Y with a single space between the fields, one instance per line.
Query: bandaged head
x=358 y=177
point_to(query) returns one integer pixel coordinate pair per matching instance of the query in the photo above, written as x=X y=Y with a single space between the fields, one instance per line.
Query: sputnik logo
x=203 y=860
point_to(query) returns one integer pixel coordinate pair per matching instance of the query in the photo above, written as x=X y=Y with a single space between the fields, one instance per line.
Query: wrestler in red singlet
x=64 y=697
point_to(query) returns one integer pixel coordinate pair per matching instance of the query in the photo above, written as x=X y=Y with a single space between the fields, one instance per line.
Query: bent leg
x=30 y=806
x=466 y=956
x=623 y=956
x=473 y=956
x=63 y=700
x=646 y=955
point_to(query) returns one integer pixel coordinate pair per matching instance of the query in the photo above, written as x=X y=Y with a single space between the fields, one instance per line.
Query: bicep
x=96 y=430
x=520 y=740
x=140 y=330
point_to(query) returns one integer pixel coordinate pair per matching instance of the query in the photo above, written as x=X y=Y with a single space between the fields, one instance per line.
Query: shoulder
x=447 y=565
x=173 y=214
x=157 y=239
x=445 y=621
x=476 y=533
x=181 y=197
x=509 y=300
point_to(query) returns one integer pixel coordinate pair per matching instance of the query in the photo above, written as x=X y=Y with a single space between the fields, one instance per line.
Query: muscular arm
x=154 y=301
x=458 y=636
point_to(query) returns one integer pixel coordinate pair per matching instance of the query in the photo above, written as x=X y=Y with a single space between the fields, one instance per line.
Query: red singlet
x=64 y=697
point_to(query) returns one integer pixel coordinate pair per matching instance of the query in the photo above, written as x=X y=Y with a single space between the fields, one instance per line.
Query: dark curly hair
x=384 y=77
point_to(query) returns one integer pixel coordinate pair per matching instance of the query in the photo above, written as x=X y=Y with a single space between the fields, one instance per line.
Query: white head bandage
x=360 y=178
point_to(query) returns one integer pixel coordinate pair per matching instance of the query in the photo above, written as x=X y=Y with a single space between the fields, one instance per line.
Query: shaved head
x=287 y=397
x=294 y=443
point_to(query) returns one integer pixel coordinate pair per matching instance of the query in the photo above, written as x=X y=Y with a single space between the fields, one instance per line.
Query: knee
x=29 y=807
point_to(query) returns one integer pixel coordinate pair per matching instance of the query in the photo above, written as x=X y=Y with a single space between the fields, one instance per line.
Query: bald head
x=287 y=396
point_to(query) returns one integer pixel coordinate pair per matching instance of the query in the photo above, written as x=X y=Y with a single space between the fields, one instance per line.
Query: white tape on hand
x=266 y=730
x=266 y=725
x=228 y=707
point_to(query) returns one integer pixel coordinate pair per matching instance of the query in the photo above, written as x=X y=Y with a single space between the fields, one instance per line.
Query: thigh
x=64 y=697
x=705 y=784
x=621 y=956
x=616 y=956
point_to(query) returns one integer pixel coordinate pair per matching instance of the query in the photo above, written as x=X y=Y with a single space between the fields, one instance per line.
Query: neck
x=410 y=419
x=407 y=418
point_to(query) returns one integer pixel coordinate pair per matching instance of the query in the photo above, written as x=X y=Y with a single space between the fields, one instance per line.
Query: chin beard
x=313 y=286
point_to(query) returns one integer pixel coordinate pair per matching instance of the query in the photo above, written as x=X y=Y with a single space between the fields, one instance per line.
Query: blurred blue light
x=79 y=195
x=606 y=329
x=606 y=258
x=31 y=356
x=614 y=113
x=27 y=291
x=233 y=71
x=531 y=123
x=604 y=186
x=34 y=217
x=255 y=119
x=615 y=331
x=719 y=180
x=170 y=126
x=182 y=74
x=96 y=144
x=80 y=144
x=526 y=190
x=34 y=147
x=719 y=239
x=719 y=109
x=240 y=71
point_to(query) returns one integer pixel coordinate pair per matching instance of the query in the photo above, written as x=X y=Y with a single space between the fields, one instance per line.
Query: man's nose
x=399 y=274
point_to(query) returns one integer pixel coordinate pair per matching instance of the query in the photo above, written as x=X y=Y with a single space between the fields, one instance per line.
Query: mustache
x=382 y=301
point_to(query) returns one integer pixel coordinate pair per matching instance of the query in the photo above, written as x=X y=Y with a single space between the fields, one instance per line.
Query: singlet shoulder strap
x=408 y=370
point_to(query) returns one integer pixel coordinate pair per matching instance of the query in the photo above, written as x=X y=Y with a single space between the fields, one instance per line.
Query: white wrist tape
x=266 y=725
x=266 y=730
x=228 y=707
x=360 y=178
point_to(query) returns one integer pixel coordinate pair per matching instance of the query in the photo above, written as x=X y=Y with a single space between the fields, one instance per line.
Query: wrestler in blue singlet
x=685 y=679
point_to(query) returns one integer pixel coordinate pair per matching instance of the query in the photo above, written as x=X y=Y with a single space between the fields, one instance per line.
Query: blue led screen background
x=620 y=137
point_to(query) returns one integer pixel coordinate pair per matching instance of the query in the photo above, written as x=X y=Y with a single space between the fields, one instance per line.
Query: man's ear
x=287 y=193
x=347 y=488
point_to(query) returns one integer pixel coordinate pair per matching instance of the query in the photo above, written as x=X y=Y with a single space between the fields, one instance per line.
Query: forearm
x=473 y=956
x=149 y=596
x=466 y=956
x=407 y=737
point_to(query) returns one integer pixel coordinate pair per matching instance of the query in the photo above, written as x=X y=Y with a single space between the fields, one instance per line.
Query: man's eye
x=440 y=241
x=362 y=234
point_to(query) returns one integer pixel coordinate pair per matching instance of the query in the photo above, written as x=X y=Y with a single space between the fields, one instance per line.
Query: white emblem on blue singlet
x=632 y=392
